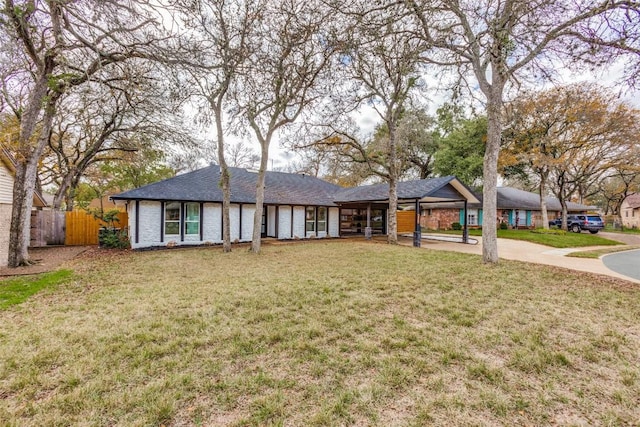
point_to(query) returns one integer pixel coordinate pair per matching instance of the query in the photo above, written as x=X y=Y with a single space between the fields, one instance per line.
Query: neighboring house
x=7 y=172
x=516 y=208
x=630 y=211
x=187 y=209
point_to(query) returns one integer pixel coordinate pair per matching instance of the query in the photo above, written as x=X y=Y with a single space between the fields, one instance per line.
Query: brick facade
x=439 y=219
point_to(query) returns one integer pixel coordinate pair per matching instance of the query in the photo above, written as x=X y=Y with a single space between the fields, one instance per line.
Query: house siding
x=284 y=222
x=334 y=222
x=6 y=205
x=630 y=215
x=6 y=185
x=298 y=222
x=150 y=224
x=212 y=223
x=5 y=224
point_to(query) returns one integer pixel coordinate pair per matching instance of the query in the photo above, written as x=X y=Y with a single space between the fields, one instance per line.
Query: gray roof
x=202 y=185
x=406 y=190
x=512 y=198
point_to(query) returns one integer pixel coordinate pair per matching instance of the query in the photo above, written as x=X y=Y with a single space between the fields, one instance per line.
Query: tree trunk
x=63 y=192
x=24 y=187
x=257 y=217
x=543 y=202
x=392 y=228
x=490 y=175
x=225 y=177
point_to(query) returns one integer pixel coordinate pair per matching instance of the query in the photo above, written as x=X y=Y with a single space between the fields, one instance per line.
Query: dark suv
x=577 y=223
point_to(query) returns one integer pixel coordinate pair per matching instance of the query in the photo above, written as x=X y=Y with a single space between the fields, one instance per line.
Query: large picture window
x=322 y=219
x=192 y=218
x=310 y=218
x=172 y=218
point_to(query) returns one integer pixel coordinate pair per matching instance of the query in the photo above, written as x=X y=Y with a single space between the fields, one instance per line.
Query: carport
x=419 y=193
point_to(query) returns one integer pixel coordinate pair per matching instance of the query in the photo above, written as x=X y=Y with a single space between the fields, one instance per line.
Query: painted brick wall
x=211 y=222
x=149 y=227
x=334 y=222
x=298 y=222
x=284 y=225
x=248 y=211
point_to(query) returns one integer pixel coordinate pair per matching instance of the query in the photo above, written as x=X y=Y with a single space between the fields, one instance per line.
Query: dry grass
x=322 y=333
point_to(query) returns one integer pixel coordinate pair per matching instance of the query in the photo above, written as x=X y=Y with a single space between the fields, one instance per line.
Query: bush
x=113 y=238
x=456 y=226
x=504 y=226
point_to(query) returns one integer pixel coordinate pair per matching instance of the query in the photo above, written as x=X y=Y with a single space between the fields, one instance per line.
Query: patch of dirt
x=45 y=259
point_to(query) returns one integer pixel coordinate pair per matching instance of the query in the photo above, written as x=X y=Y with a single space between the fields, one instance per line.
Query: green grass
x=321 y=333
x=553 y=239
x=16 y=291
x=597 y=253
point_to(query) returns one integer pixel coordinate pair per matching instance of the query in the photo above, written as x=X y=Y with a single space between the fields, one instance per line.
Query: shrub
x=504 y=226
x=113 y=238
x=456 y=226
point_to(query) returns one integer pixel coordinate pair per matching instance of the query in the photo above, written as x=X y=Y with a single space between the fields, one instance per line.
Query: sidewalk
x=519 y=250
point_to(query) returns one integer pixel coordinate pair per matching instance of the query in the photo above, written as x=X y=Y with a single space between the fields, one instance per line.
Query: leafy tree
x=461 y=146
x=568 y=138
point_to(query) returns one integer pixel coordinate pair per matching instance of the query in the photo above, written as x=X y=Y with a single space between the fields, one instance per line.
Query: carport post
x=465 y=228
x=417 y=234
x=367 y=229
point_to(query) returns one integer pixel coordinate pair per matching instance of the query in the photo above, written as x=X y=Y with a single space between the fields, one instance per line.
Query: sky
x=368 y=119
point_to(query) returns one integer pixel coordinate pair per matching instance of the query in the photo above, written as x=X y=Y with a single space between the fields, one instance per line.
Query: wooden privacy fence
x=47 y=228
x=82 y=227
x=406 y=221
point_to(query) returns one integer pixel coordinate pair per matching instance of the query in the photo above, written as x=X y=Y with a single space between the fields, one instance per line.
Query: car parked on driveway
x=577 y=223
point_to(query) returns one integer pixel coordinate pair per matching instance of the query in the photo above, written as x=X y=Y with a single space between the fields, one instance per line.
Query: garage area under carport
x=368 y=199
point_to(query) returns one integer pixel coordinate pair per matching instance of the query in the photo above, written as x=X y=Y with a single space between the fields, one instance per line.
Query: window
x=310 y=218
x=626 y=214
x=172 y=218
x=472 y=217
x=322 y=219
x=192 y=218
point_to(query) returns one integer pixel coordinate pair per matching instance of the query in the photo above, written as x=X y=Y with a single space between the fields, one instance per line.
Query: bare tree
x=100 y=122
x=381 y=64
x=500 y=42
x=218 y=48
x=292 y=50
x=58 y=45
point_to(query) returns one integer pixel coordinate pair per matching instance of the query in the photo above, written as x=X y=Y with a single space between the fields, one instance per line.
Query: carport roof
x=445 y=188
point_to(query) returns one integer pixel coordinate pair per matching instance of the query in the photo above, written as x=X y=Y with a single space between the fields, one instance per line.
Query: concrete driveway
x=530 y=252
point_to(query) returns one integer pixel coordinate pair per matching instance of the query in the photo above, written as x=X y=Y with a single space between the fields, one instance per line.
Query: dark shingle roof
x=202 y=185
x=380 y=192
x=512 y=198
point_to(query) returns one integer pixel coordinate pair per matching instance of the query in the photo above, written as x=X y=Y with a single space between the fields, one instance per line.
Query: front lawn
x=553 y=239
x=16 y=290
x=322 y=333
